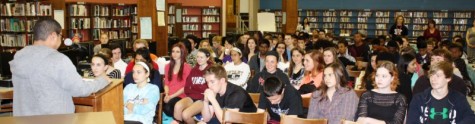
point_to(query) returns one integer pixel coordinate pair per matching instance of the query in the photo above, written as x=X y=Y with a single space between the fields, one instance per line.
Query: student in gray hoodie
x=44 y=79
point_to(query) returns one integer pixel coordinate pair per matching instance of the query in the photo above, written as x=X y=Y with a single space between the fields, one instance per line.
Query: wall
x=105 y=1
x=376 y=4
x=217 y=3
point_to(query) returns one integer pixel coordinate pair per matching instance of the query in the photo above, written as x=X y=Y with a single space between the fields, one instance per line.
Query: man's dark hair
x=273 y=86
x=145 y=53
x=187 y=45
x=194 y=38
x=344 y=42
x=264 y=41
x=114 y=46
x=44 y=27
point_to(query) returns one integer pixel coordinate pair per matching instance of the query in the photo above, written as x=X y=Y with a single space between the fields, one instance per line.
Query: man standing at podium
x=44 y=79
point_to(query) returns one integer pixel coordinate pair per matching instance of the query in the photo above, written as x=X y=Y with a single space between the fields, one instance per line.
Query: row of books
x=26 y=9
x=15 y=40
x=210 y=19
x=80 y=23
x=101 y=10
x=171 y=19
x=190 y=19
x=211 y=11
x=123 y=11
x=111 y=23
x=16 y=25
x=191 y=27
x=116 y=34
x=78 y=10
x=208 y=27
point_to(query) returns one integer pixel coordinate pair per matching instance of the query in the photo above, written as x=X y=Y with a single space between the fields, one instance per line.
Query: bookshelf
x=201 y=21
x=17 y=19
x=174 y=27
x=377 y=22
x=89 y=20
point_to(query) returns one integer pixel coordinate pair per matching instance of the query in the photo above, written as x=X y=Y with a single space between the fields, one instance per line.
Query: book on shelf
x=101 y=22
x=121 y=11
x=210 y=19
x=78 y=10
x=171 y=9
x=100 y=10
x=462 y=15
x=440 y=14
x=210 y=11
x=80 y=23
x=17 y=25
x=190 y=27
x=15 y=40
x=26 y=9
x=190 y=19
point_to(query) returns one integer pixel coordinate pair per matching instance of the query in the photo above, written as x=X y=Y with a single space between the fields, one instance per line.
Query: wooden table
x=108 y=99
x=77 y=118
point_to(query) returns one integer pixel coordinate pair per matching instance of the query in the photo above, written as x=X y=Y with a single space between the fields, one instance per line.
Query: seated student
x=117 y=59
x=221 y=94
x=335 y=100
x=138 y=44
x=195 y=86
x=440 y=104
x=344 y=55
x=104 y=40
x=330 y=57
x=283 y=63
x=226 y=55
x=279 y=98
x=457 y=51
x=141 y=55
x=314 y=65
x=256 y=63
x=296 y=69
x=140 y=98
x=101 y=63
x=238 y=71
x=383 y=104
x=255 y=84
x=456 y=82
x=406 y=67
x=175 y=77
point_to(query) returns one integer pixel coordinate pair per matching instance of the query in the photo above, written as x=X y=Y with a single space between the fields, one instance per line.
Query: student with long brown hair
x=335 y=100
x=176 y=73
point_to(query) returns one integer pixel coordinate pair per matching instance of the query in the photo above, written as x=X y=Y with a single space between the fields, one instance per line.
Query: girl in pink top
x=175 y=78
x=314 y=65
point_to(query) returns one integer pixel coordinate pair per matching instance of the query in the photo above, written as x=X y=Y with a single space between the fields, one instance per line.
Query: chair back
x=230 y=116
x=6 y=95
x=359 y=92
x=255 y=97
x=286 y=119
x=343 y=121
x=160 y=108
x=306 y=102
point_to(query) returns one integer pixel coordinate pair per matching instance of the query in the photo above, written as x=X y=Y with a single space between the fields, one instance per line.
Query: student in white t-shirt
x=237 y=71
x=117 y=60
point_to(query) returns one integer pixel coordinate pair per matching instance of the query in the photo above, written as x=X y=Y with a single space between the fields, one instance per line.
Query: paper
x=160 y=5
x=266 y=22
x=178 y=15
x=161 y=18
x=145 y=27
x=59 y=16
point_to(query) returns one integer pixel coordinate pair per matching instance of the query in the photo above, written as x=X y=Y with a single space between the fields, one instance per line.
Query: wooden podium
x=108 y=99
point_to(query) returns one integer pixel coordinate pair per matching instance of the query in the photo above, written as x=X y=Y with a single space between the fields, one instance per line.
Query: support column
x=290 y=7
x=253 y=10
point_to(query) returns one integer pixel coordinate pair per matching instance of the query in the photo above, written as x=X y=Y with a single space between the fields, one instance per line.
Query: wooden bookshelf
x=201 y=21
x=174 y=28
x=17 y=19
x=90 y=20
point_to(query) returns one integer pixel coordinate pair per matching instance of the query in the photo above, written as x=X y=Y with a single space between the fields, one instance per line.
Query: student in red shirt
x=195 y=86
x=175 y=78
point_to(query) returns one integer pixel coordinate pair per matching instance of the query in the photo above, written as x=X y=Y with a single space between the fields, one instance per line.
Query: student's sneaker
x=198 y=117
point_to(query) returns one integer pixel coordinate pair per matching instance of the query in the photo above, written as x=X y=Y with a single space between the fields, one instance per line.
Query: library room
x=237 y=61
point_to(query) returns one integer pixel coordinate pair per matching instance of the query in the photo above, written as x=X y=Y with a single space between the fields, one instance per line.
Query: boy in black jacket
x=440 y=104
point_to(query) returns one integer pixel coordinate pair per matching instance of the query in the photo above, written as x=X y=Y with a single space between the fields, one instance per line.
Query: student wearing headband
x=238 y=71
x=141 y=97
x=195 y=86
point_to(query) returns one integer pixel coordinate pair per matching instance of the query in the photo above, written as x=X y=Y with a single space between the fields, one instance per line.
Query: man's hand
x=210 y=94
